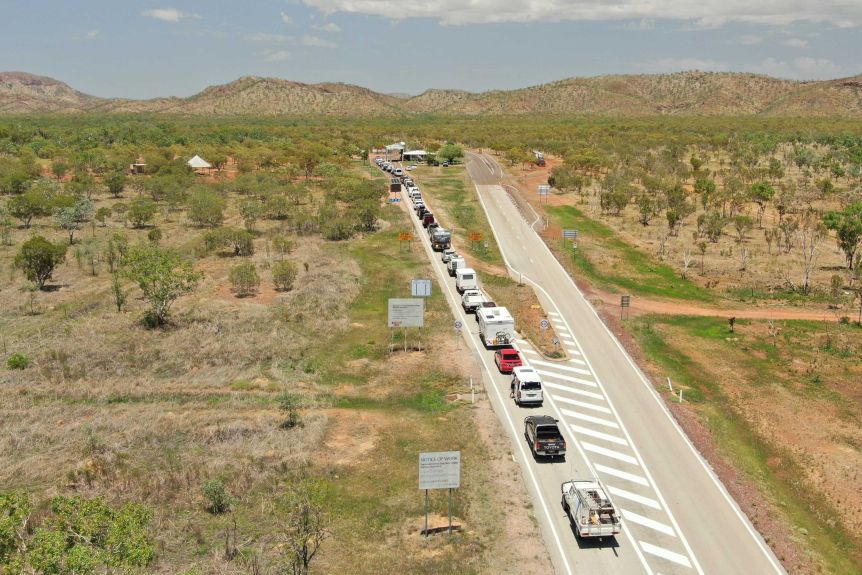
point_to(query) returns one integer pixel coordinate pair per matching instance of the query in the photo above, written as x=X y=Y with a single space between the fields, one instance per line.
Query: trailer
x=496 y=326
x=589 y=508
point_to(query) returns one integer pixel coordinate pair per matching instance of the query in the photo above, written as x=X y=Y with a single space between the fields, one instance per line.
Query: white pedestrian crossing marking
x=573 y=391
x=647 y=501
x=562 y=377
x=589 y=418
x=565 y=368
x=677 y=558
x=633 y=517
x=598 y=449
x=584 y=404
x=622 y=474
x=577 y=429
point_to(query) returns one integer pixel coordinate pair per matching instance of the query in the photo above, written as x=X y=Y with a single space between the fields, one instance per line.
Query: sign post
x=404 y=313
x=404 y=238
x=544 y=190
x=439 y=470
x=625 y=303
x=475 y=237
x=420 y=288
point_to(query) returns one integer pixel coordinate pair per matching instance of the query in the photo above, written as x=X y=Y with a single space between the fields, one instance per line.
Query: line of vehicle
x=660 y=402
x=638 y=458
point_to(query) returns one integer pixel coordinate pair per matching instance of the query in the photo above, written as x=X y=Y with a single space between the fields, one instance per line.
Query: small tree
x=37 y=258
x=206 y=208
x=117 y=290
x=848 y=230
x=305 y=526
x=283 y=275
x=31 y=204
x=450 y=152
x=289 y=406
x=761 y=194
x=244 y=279
x=154 y=235
x=251 y=210
x=115 y=181
x=282 y=245
x=141 y=211
x=102 y=215
x=241 y=242
x=71 y=218
x=701 y=246
x=743 y=225
x=162 y=275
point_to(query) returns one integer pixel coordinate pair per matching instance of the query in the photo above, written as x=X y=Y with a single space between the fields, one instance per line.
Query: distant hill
x=683 y=93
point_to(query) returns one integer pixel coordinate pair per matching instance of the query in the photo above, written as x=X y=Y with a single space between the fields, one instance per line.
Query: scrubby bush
x=283 y=275
x=244 y=279
x=241 y=242
x=141 y=212
x=18 y=361
x=206 y=207
x=154 y=235
x=282 y=245
x=216 y=495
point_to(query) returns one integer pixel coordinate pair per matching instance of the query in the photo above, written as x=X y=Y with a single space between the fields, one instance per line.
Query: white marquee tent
x=198 y=163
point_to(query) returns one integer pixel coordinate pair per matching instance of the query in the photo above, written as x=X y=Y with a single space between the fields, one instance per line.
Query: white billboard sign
x=408 y=312
x=420 y=288
x=440 y=470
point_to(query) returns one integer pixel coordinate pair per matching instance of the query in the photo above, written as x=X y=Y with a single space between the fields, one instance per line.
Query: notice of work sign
x=440 y=470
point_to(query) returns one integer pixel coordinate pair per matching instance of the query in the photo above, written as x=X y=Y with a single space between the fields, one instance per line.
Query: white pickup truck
x=473 y=300
x=589 y=508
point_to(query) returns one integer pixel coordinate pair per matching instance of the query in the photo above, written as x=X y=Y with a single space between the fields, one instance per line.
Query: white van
x=496 y=326
x=526 y=386
x=465 y=278
x=455 y=263
x=397 y=172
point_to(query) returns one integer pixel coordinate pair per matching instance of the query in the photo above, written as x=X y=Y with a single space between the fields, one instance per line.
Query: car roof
x=542 y=419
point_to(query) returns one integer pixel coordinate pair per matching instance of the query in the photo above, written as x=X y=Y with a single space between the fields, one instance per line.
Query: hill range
x=683 y=93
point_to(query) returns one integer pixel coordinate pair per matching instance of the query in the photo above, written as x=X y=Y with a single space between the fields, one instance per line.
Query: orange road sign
x=405 y=236
x=476 y=237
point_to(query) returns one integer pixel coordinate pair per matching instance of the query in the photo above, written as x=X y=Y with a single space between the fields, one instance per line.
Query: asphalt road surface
x=677 y=518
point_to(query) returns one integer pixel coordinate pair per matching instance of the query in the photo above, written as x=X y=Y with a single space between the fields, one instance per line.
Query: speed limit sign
x=458 y=324
x=544 y=324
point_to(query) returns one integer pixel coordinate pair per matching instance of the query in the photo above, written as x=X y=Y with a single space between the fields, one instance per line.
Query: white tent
x=197 y=162
x=415 y=154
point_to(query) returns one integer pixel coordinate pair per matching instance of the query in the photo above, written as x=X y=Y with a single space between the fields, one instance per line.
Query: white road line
x=562 y=367
x=677 y=558
x=573 y=351
x=589 y=418
x=578 y=430
x=553 y=313
x=568 y=337
x=613 y=454
x=586 y=382
x=578 y=361
x=530 y=351
x=573 y=391
x=633 y=517
x=584 y=404
x=647 y=501
x=622 y=474
x=660 y=402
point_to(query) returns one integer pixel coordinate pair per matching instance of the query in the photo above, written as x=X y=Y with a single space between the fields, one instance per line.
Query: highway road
x=677 y=517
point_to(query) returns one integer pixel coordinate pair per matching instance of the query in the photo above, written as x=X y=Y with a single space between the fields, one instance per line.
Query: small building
x=138 y=167
x=199 y=165
x=415 y=155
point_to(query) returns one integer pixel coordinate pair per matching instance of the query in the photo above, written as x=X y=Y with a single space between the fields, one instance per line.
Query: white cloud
x=749 y=40
x=706 y=13
x=328 y=27
x=91 y=35
x=285 y=18
x=168 y=14
x=684 y=64
x=264 y=38
x=796 y=43
x=277 y=39
x=800 y=68
x=277 y=55
x=317 y=42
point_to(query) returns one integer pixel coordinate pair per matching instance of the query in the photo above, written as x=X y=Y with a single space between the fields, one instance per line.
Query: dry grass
x=109 y=407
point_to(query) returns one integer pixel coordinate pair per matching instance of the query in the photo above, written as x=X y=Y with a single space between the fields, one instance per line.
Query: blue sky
x=114 y=48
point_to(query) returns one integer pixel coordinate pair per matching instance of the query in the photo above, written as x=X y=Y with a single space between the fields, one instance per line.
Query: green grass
x=737 y=440
x=451 y=191
x=638 y=273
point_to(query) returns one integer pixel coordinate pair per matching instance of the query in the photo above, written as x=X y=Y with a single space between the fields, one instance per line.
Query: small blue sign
x=458 y=324
x=394 y=200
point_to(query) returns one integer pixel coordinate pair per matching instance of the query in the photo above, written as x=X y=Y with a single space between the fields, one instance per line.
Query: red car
x=507 y=359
